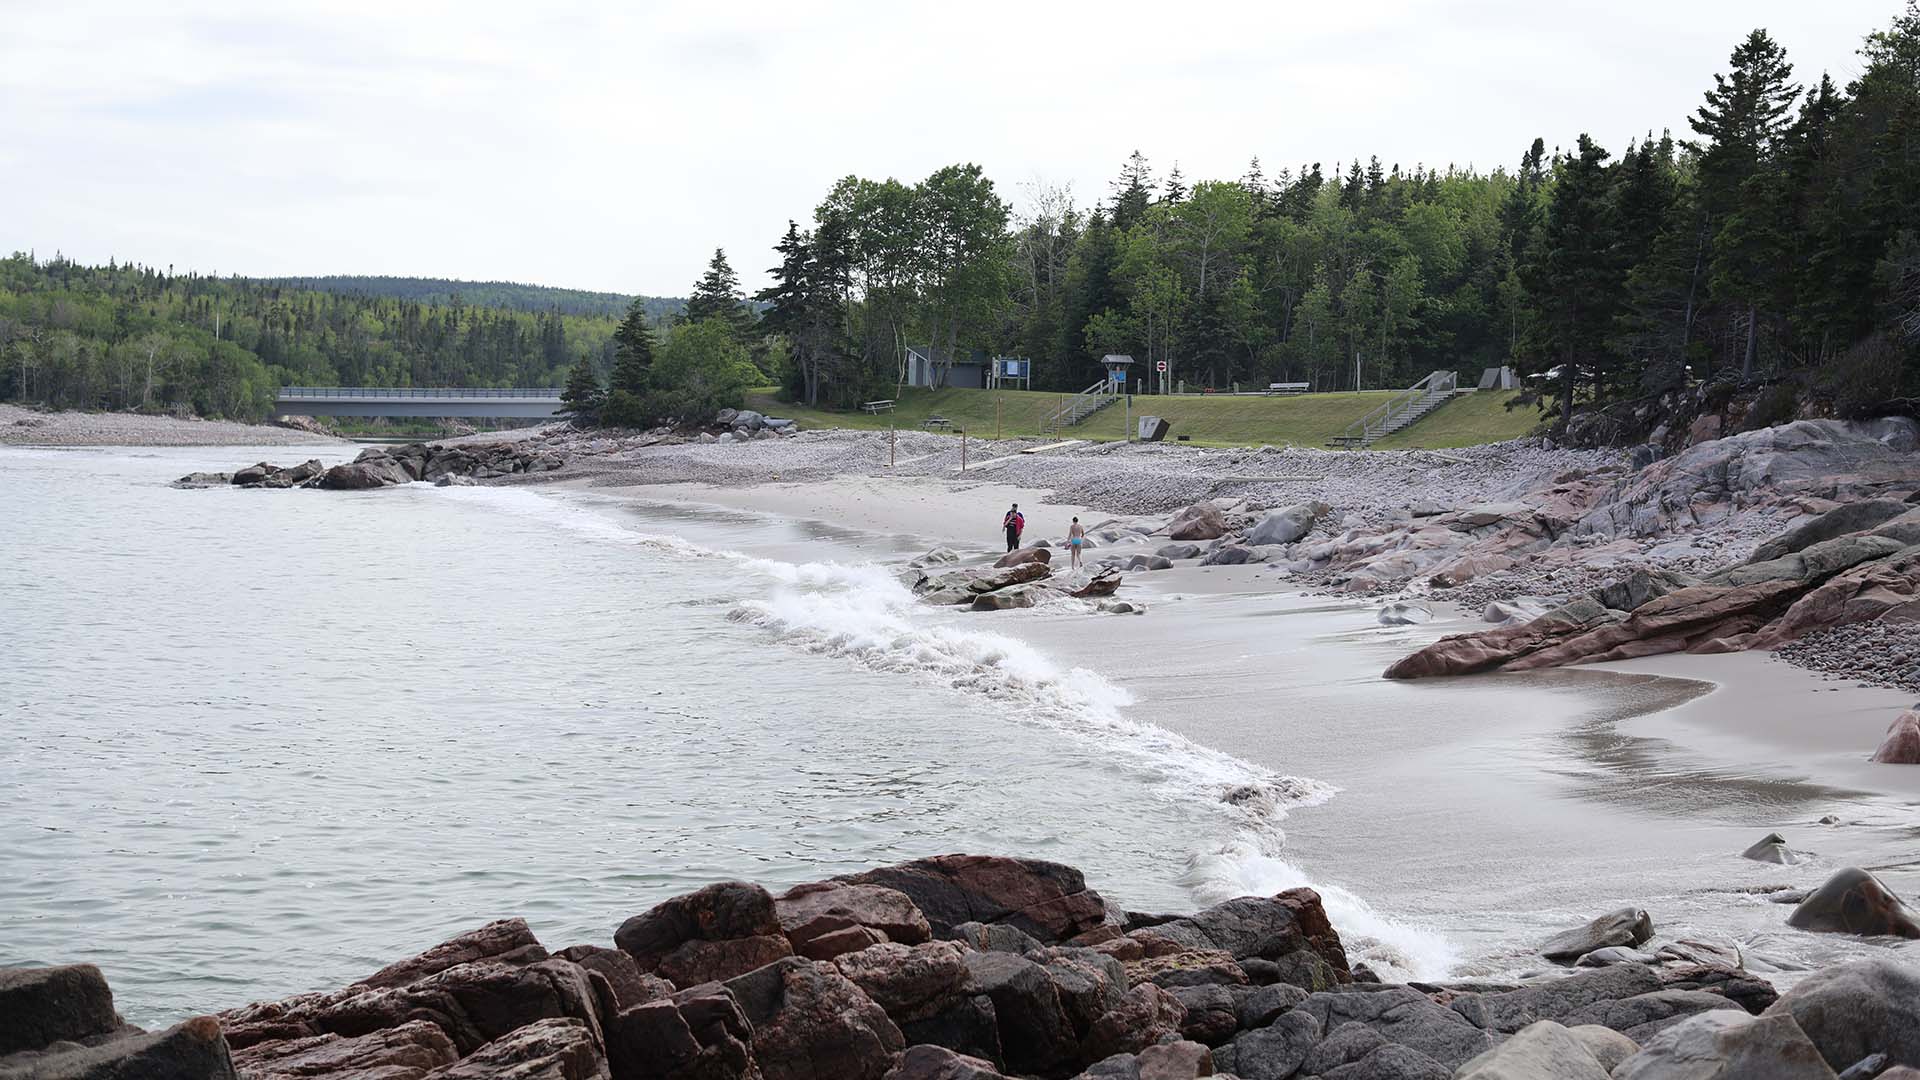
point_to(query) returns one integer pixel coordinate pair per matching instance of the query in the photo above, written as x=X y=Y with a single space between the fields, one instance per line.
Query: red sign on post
x=1160 y=366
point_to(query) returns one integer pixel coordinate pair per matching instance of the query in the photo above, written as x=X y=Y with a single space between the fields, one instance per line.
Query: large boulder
x=1853 y=901
x=1201 y=521
x=1145 y=1015
x=1035 y=554
x=1164 y=1061
x=710 y=935
x=817 y=917
x=1540 y=1051
x=1558 y=999
x=1290 y=928
x=193 y=1050
x=1016 y=596
x=1045 y=899
x=1286 y=526
x=810 y=1022
x=1035 y=1032
x=1727 y=1046
x=698 y=1034
x=911 y=982
x=1902 y=744
x=39 y=1006
x=1625 y=927
x=373 y=472
x=1276 y=1051
x=501 y=938
x=630 y=986
x=416 y=1046
x=1857 y=1009
x=553 y=1049
x=1400 y=1015
x=1404 y=613
x=1772 y=848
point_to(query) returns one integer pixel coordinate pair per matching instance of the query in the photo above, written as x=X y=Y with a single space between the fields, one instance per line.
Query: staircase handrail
x=1363 y=428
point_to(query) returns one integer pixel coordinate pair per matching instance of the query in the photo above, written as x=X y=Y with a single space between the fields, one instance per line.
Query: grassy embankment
x=1223 y=420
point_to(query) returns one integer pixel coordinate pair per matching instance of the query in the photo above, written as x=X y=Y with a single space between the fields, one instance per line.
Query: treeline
x=444 y=292
x=135 y=337
x=1778 y=236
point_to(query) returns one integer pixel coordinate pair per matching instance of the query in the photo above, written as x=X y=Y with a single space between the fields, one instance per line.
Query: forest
x=1779 y=237
x=133 y=337
x=1776 y=240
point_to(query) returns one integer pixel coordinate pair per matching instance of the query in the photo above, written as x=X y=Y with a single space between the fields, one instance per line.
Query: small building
x=931 y=368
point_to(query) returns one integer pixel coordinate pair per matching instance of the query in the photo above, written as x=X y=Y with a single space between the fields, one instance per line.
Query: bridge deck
x=416 y=401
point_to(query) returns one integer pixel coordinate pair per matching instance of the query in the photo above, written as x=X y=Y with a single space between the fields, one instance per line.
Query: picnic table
x=877 y=406
x=1288 y=387
x=940 y=422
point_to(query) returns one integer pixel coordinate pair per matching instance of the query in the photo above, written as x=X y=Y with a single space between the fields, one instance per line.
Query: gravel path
x=27 y=427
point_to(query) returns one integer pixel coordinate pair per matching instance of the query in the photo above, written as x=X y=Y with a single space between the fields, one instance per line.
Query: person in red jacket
x=1014 y=522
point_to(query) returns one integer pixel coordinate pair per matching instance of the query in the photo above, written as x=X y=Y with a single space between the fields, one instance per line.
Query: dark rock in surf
x=1772 y=848
x=1626 y=927
x=1853 y=901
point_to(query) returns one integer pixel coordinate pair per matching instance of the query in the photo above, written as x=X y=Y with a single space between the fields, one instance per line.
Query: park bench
x=1287 y=387
x=877 y=406
x=940 y=422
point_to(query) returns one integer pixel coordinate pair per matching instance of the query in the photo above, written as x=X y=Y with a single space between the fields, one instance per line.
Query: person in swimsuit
x=1076 y=539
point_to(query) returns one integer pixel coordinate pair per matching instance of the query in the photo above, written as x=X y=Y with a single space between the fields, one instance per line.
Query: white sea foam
x=863 y=613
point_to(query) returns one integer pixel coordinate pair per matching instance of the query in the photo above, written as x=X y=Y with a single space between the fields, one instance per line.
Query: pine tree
x=583 y=396
x=717 y=296
x=1574 y=274
x=1132 y=191
x=632 y=352
x=1176 y=186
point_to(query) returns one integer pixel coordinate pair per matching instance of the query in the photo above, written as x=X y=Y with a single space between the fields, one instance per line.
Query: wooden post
x=889 y=443
x=963 y=449
x=996 y=415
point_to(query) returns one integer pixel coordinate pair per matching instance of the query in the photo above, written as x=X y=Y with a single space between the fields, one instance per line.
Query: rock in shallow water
x=1772 y=848
x=39 y=1006
x=1405 y=613
x=1853 y=901
x=1626 y=927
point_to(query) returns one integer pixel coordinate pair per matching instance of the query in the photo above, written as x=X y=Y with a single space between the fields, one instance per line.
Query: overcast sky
x=613 y=146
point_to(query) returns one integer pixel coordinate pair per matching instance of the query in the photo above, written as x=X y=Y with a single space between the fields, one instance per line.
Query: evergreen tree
x=717 y=296
x=1574 y=273
x=583 y=395
x=632 y=353
x=1132 y=192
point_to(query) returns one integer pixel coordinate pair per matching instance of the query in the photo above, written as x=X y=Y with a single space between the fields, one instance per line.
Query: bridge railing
x=289 y=393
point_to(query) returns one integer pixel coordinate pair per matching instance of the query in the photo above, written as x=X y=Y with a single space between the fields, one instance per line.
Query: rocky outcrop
x=966 y=967
x=382 y=466
x=1762 y=603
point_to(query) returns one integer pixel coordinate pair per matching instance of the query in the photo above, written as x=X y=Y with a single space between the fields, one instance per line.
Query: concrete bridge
x=414 y=401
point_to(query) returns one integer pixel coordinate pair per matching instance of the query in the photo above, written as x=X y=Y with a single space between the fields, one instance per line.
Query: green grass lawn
x=1468 y=420
x=1219 y=420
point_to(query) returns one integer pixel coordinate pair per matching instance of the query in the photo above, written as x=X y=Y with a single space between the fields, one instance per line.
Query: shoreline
x=31 y=428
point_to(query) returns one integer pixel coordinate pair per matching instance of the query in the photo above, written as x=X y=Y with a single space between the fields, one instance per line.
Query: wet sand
x=1475 y=815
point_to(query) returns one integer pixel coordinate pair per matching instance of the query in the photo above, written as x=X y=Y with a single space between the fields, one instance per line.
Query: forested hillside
x=1777 y=235
x=503 y=294
x=125 y=337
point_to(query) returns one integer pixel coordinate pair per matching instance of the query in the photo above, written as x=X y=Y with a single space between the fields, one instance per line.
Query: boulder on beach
x=191 y=1050
x=1902 y=743
x=816 y=917
x=1405 y=613
x=1625 y=927
x=557 y=1048
x=712 y=934
x=1036 y=554
x=1179 y=551
x=1772 y=848
x=1230 y=555
x=940 y=556
x=809 y=1021
x=1200 y=521
x=1047 y=900
x=1288 y=525
x=1009 y=598
x=926 y=1061
x=1517 y=610
x=1853 y=901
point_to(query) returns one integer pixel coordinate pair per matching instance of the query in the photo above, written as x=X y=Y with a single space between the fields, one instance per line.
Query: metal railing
x=295 y=393
x=1372 y=425
x=1078 y=407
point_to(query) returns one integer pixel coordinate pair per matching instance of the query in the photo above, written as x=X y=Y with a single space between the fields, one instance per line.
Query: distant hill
x=494 y=294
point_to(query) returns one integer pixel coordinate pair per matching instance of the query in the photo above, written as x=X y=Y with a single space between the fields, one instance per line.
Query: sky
x=614 y=146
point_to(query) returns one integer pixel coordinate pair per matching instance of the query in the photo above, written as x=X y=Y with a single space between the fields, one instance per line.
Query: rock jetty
x=968 y=967
x=384 y=466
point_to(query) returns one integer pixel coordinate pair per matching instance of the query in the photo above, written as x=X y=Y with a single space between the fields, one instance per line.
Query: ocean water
x=255 y=743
